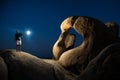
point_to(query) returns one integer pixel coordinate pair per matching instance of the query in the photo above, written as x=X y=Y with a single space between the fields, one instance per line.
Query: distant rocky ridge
x=97 y=58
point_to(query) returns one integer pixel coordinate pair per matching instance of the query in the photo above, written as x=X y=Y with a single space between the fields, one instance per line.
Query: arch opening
x=79 y=39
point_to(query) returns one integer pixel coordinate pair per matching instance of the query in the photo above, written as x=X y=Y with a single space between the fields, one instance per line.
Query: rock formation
x=23 y=66
x=97 y=58
x=64 y=43
x=96 y=37
x=114 y=28
x=105 y=66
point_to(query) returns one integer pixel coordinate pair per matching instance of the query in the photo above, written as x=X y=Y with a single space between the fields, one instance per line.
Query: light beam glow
x=28 y=32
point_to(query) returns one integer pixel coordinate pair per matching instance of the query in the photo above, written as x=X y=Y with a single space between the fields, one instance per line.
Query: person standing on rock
x=18 y=36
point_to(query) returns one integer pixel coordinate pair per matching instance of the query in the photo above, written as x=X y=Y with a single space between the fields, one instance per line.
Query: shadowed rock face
x=3 y=70
x=23 y=66
x=105 y=66
x=64 y=43
x=97 y=58
x=114 y=28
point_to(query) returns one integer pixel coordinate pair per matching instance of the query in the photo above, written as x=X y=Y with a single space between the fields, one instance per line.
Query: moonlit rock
x=96 y=36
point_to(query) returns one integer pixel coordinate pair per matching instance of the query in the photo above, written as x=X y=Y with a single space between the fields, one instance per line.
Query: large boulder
x=23 y=66
x=113 y=28
x=105 y=66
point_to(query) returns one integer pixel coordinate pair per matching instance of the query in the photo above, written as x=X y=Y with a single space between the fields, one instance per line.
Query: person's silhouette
x=18 y=36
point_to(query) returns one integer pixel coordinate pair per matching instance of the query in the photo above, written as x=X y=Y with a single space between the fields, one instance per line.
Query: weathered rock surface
x=114 y=28
x=105 y=66
x=64 y=43
x=23 y=66
x=97 y=36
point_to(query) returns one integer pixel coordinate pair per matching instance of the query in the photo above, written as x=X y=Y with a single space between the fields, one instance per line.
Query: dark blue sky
x=43 y=18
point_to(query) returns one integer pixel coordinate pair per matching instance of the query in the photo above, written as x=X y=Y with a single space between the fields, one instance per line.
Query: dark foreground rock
x=23 y=66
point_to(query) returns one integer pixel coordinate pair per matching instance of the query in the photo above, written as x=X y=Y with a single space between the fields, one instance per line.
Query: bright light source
x=28 y=32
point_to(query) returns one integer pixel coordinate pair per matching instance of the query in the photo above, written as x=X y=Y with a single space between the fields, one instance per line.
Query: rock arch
x=96 y=37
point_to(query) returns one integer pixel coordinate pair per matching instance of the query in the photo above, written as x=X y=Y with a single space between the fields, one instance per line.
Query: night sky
x=43 y=18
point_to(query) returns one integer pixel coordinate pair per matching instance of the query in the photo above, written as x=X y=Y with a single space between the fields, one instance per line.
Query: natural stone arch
x=96 y=37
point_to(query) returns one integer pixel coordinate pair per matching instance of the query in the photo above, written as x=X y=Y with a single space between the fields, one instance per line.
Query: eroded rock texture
x=97 y=58
x=97 y=36
x=23 y=66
